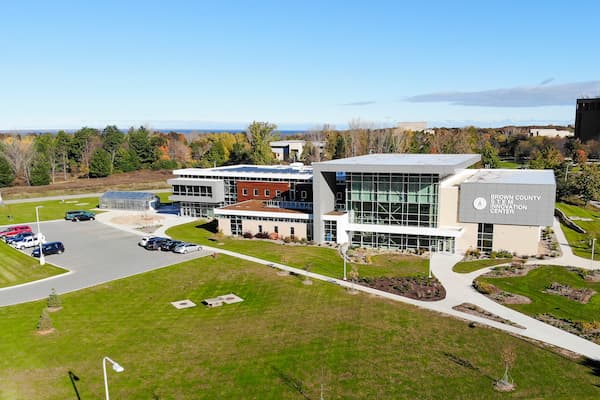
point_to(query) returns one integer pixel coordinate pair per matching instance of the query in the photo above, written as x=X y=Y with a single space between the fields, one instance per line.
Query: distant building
x=587 y=119
x=291 y=150
x=550 y=132
x=133 y=201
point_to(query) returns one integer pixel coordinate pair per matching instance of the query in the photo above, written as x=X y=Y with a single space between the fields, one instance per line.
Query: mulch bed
x=418 y=288
x=589 y=331
x=472 y=309
x=582 y=296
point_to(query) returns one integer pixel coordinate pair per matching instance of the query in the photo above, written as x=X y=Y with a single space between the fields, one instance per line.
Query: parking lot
x=95 y=253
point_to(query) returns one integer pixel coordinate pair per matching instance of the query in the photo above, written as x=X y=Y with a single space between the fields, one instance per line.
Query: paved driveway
x=94 y=253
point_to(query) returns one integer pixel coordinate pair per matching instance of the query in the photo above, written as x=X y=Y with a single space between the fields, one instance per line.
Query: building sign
x=507 y=204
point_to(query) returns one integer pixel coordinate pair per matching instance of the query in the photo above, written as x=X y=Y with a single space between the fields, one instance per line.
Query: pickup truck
x=28 y=241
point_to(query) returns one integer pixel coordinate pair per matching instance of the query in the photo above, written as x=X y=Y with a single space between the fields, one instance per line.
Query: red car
x=14 y=230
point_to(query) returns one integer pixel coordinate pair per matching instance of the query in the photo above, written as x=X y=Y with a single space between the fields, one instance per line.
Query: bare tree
x=19 y=153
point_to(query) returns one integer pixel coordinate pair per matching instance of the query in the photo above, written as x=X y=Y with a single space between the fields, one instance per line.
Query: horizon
x=214 y=66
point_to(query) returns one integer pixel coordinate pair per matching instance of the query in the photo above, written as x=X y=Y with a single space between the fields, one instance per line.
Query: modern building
x=587 y=119
x=133 y=201
x=291 y=150
x=200 y=191
x=391 y=201
x=550 y=132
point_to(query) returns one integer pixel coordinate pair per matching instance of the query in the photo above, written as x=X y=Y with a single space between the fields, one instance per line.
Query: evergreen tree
x=126 y=160
x=44 y=322
x=112 y=139
x=259 y=135
x=53 y=299
x=489 y=156
x=6 y=173
x=40 y=171
x=140 y=145
x=100 y=164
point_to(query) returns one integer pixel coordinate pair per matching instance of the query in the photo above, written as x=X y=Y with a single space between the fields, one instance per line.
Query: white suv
x=29 y=241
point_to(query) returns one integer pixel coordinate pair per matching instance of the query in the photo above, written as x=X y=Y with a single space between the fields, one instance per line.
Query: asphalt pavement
x=94 y=253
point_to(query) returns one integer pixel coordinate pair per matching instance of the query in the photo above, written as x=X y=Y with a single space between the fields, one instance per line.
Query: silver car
x=186 y=248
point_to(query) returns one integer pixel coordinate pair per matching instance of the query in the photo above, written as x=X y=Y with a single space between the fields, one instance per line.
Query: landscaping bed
x=586 y=330
x=498 y=295
x=414 y=287
x=582 y=296
x=472 y=309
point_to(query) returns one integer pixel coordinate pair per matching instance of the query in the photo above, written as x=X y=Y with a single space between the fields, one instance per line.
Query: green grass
x=284 y=335
x=164 y=197
x=17 y=268
x=533 y=284
x=321 y=260
x=580 y=242
x=464 y=267
x=52 y=209
x=509 y=165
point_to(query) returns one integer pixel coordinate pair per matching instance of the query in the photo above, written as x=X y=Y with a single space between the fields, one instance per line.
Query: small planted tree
x=44 y=325
x=307 y=268
x=506 y=383
x=353 y=279
x=54 y=303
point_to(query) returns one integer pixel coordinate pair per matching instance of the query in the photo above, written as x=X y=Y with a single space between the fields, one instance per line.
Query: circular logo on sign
x=479 y=203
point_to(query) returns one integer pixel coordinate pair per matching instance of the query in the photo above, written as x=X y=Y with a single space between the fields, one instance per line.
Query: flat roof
x=403 y=163
x=303 y=172
x=513 y=176
x=260 y=206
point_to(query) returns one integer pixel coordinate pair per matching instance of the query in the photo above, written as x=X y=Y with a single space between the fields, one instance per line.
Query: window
x=260 y=229
x=292 y=231
x=245 y=192
x=485 y=237
x=339 y=195
x=267 y=192
x=276 y=229
x=255 y=192
x=278 y=193
x=303 y=194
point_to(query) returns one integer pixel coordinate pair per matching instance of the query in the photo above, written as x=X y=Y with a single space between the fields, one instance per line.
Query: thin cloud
x=522 y=96
x=358 y=103
x=546 y=81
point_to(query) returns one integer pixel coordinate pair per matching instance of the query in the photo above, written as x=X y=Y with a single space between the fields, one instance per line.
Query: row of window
x=403 y=241
x=276 y=230
x=190 y=190
x=267 y=193
x=247 y=217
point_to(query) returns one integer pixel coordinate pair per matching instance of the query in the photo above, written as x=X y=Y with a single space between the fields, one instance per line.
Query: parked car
x=28 y=241
x=144 y=240
x=79 y=215
x=15 y=230
x=154 y=243
x=18 y=237
x=49 y=248
x=169 y=244
x=186 y=248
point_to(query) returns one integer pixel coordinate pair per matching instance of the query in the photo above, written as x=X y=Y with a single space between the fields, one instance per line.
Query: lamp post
x=37 y=218
x=567 y=171
x=344 y=249
x=115 y=366
x=430 y=261
x=593 y=248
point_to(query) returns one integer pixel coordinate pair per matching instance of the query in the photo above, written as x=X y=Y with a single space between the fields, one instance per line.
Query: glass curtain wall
x=392 y=199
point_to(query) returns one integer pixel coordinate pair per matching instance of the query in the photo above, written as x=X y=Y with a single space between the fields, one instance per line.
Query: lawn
x=322 y=260
x=52 y=209
x=283 y=342
x=509 y=165
x=464 y=267
x=17 y=268
x=533 y=284
x=579 y=242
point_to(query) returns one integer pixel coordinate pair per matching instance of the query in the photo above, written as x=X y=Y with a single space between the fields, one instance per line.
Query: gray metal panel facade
x=507 y=204
x=218 y=190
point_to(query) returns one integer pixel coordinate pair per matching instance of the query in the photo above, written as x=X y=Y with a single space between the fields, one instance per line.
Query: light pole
x=115 y=366
x=430 y=261
x=343 y=249
x=567 y=171
x=37 y=217
x=593 y=248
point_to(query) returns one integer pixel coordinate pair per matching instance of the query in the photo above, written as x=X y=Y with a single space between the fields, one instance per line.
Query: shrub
x=45 y=322
x=53 y=299
x=503 y=254
x=262 y=235
x=484 y=287
x=473 y=253
x=287 y=239
x=247 y=235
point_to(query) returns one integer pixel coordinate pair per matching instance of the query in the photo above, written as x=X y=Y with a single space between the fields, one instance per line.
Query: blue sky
x=299 y=64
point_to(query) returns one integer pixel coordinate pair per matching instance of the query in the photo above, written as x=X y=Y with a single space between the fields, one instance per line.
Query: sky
x=298 y=64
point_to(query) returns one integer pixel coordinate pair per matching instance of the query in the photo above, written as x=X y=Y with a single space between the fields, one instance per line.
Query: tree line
x=39 y=159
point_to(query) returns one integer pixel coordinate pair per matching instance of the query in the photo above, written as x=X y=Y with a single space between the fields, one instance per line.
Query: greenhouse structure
x=135 y=201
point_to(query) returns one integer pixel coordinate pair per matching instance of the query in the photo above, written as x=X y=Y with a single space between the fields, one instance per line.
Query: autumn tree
x=587 y=183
